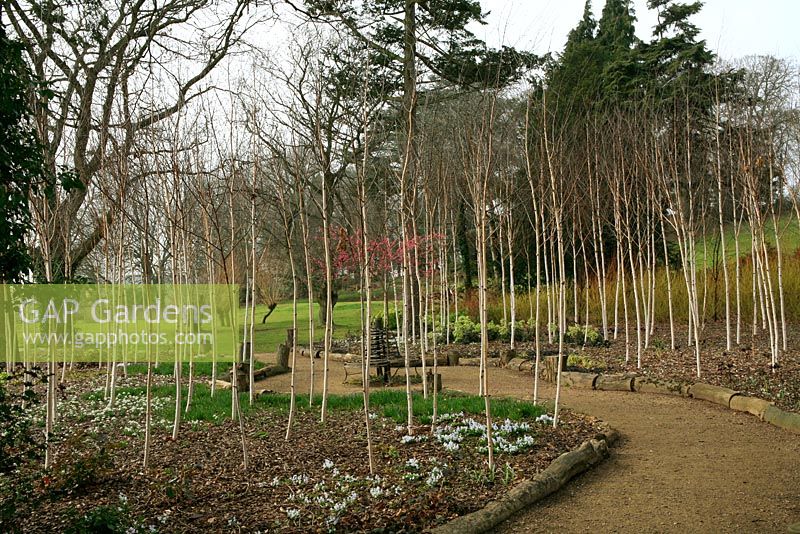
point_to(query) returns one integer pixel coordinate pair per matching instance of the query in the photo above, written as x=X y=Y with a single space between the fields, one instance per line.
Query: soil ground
x=682 y=465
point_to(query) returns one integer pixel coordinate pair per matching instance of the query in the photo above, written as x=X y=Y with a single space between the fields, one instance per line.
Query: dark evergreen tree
x=619 y=47
x=584 y=31
x=575 y=79
x=677 y=64
x=616 y=29
x=437 y=32
x=21 y=159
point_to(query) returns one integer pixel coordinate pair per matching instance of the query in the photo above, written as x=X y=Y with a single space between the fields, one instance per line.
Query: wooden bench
x=384 y=368
x=384 y=356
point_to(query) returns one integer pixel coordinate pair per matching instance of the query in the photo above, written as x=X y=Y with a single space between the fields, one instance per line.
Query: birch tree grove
x=633 y=193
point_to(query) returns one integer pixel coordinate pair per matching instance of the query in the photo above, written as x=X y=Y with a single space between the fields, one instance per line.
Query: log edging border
x=733 y=400
x=528 y=492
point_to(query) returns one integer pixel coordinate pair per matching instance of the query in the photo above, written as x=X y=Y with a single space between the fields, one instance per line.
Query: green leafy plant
x=584 y=335
x=17 y=397
x=585 y=362
x=465 y=330
x=508 y=474
x=492 y=330
x=110 y=519
x=390 y=323
x=85 y=462
x=19 y=445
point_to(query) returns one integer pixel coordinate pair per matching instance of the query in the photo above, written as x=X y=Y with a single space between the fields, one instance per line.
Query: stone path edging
x=528 y=492
x=733 y=400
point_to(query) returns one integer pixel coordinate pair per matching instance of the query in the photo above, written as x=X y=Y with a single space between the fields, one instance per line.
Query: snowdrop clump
x=544 y=418
x=412 y=469
x=451 y=417
x=300 y=480
x=413 y=439
x=508 y=436
x=434 y=477
x=501 y=444
x=451 y=446
x=510 y=427
x=127 y=413
x=329 y=499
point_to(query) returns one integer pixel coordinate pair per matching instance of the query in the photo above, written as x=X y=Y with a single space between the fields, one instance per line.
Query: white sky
x=732 y=28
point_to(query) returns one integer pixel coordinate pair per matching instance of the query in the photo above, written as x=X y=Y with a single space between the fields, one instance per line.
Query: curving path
x=682 y=466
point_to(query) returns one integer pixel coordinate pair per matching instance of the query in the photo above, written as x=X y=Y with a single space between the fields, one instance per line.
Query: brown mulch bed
x=317 y=481
x=746 y=368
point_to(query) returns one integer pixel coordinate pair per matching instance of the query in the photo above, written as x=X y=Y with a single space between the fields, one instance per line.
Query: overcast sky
x=732 y=28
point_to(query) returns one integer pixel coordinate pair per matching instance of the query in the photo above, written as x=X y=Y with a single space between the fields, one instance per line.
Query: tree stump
x=452 y=358
x=244 y=352
x=290 y=337
x=242 y=377
x=549 y=366
x=438 y=378
x=506 y=356
x=282 y=356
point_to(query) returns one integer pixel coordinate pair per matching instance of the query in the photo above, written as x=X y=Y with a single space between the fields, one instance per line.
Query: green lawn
x=200 y=368
x=388 y=403
x=346 y=319
x=788 y=231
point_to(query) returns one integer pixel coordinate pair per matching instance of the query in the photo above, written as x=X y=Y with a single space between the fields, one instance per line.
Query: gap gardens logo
x=120 y=323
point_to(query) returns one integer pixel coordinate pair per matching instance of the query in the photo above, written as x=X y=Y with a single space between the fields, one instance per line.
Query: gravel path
x=682 y=466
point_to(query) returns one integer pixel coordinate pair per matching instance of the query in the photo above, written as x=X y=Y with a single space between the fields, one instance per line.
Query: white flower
x=275 y=482
x=292 y=513
x=451 y=446
x=544 y=418
x=376 y=491
x=413 y=439
x=434 y=477
x=412 y=463
x=300 y=479
x=327 y=464
x=525 y=441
